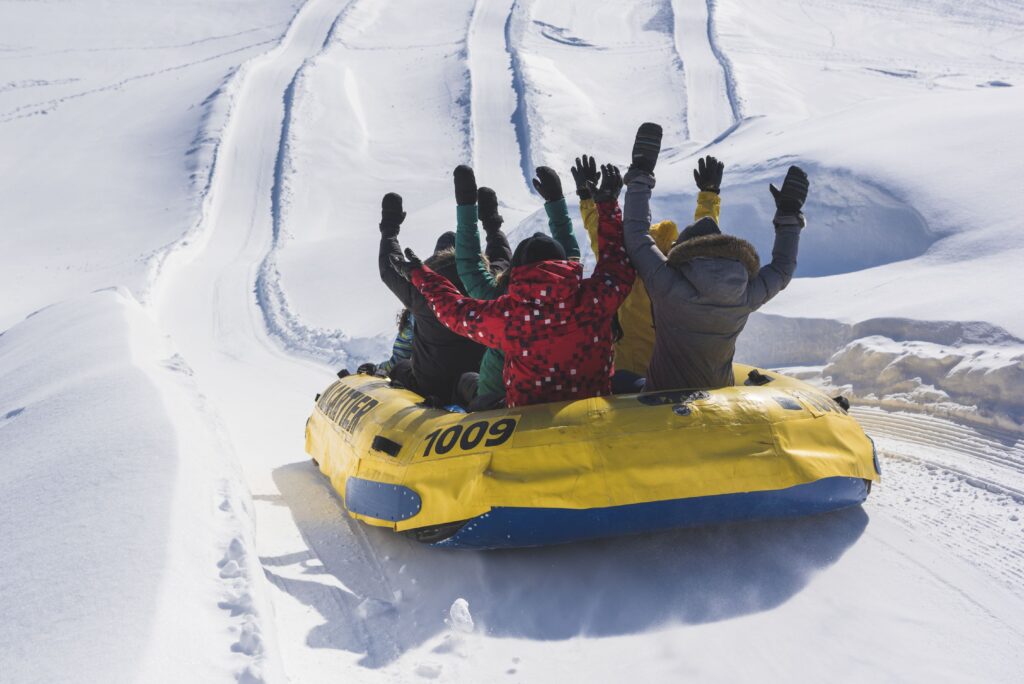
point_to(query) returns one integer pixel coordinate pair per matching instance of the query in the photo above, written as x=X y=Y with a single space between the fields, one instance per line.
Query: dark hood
x=537 y=247
x=719 y=266
x=446 y=241
x=705 y=226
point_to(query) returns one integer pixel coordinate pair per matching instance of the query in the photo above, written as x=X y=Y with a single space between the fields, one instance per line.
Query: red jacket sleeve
x=614 y=275
x=480 y=320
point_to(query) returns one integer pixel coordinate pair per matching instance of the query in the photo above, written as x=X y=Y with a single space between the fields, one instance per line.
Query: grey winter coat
x=702 y=293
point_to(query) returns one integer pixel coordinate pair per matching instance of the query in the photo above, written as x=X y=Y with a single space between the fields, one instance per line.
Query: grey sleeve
x=643 y=252
x=774 y=277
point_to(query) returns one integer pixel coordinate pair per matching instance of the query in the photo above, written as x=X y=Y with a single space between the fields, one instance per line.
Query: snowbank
x=126 y=544
x=968 y=380
x=968 y=369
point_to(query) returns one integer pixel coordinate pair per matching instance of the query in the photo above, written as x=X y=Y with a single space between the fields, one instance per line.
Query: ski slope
x=162 y=522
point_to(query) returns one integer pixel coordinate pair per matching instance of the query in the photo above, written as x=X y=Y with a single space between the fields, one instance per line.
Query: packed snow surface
x=190 y=201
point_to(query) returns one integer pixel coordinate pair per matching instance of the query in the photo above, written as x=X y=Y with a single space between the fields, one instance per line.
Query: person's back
x=701 y=313
x=439 y=356
x=633 y=351
x=707 y=286
x=553 y=325
x=478 y=271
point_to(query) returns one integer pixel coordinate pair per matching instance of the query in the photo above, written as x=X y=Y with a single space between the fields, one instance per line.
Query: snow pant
x=402 y=374
x=627 y=382
x=465 y=395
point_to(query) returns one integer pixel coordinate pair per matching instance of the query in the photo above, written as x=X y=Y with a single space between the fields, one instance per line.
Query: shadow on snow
x=395 y=593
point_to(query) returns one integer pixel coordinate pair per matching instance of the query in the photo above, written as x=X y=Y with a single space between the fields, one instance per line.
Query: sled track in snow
x=330 y=346
x=961 y=486
x=218 y=319
x=521 y=115
x=203 y=287
x=727 y=68
x=496 y=103
x=47 y=106
x=999 y=452
x=680 y=68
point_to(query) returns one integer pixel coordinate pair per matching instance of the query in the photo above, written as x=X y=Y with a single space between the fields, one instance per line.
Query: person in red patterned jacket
x=554 y=325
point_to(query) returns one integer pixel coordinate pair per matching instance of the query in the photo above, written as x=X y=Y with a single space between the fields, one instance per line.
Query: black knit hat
x=705 y=226
x=446 y=241
x=537 y=247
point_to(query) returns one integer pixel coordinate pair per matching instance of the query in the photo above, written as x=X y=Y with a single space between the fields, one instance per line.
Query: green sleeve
x=478 y=280
x=560 y=226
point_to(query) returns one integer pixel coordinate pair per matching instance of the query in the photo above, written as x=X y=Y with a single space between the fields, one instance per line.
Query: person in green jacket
x=484 y=280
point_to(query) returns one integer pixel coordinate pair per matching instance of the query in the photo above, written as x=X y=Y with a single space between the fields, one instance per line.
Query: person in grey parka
x=705 y=288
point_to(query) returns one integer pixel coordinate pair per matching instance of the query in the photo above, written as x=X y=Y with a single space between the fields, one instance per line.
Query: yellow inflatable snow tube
x=550 y=473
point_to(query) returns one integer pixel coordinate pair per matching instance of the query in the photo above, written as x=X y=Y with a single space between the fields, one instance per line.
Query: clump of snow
x=428 y=670
x=459 y=616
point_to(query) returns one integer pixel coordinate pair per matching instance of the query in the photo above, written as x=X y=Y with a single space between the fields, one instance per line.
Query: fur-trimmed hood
x=441 y=259
x=720 y=267
x=443 y=262
x=718 y=246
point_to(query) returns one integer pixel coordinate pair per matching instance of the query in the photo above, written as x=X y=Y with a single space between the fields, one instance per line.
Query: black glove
x=708 y=174
x=367 y=369
x=465 y=185
x=487 y=202
x=404 y=267
x=548 y=184
x=391 y=214
x=611 y=184
x=646 y=147
x=791 y=198
x=585 y=171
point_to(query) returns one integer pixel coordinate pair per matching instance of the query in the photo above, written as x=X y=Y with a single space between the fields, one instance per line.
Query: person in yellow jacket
x=633 y=349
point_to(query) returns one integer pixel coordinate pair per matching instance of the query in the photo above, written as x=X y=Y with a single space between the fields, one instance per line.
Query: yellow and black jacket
x=633 y=351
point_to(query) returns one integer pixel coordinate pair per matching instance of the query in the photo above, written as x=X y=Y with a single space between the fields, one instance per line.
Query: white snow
x=189 y=204
x=461 y=619
x=124 y=517
x=989 y=379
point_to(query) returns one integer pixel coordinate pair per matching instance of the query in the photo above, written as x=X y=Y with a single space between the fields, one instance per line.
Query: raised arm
x=549 y=185
x=391 y=217
x=585 y=173
x=647 y=259
x=479 y=320
x=789 y=221
x=473 y=272
x=613 y=276
x=497 y=250
x=708 y=176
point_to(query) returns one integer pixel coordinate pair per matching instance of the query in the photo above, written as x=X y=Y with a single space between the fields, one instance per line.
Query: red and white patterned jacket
x=553 y=325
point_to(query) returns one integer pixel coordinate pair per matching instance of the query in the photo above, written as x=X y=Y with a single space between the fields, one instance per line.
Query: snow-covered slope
x=223 y=164
x=109 y=112
x=124 y=516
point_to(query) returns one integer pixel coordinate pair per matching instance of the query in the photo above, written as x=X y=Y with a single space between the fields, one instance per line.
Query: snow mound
x=989 y=380
x=969 y=369
x=853 y=223
x=117 y=499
